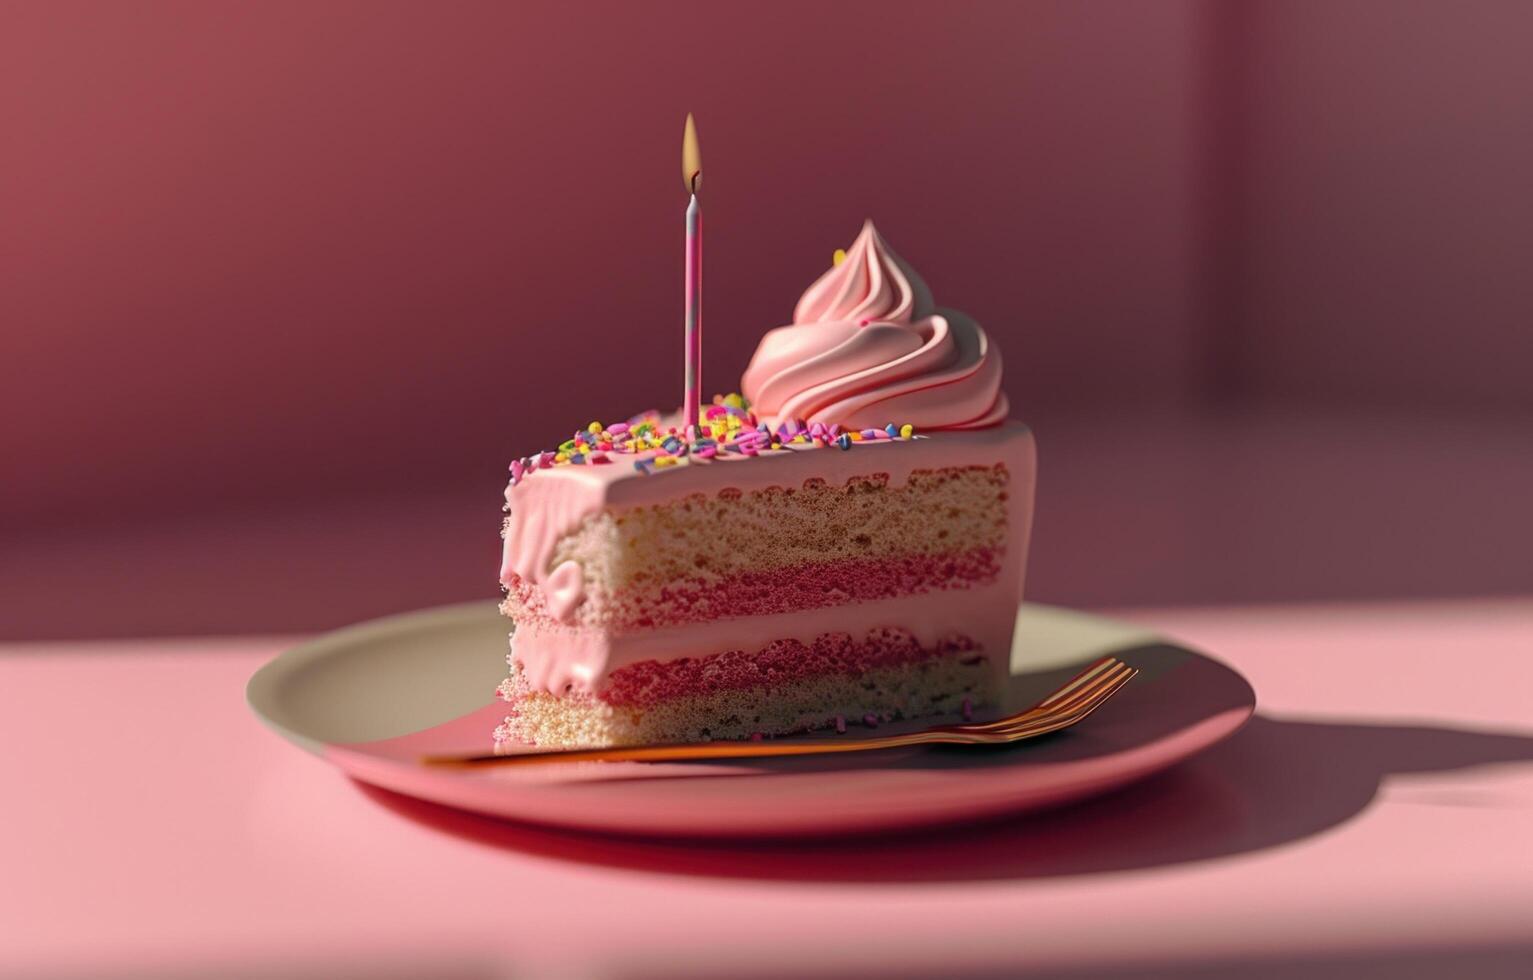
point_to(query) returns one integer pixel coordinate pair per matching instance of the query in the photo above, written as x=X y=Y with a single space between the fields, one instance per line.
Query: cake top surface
x=868 y=359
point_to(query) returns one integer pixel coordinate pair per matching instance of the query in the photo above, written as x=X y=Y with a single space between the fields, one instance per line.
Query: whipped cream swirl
x=867 y=347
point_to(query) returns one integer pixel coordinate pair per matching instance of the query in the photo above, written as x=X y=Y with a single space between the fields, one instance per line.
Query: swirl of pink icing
x=866 y=348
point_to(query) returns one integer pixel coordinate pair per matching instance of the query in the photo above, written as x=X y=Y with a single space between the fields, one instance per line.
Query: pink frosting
x=867 y=348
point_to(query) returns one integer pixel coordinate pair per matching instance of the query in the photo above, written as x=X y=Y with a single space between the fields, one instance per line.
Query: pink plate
x=373 y=698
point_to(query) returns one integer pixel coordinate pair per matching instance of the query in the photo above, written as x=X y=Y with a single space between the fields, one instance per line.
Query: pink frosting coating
x=867 y=348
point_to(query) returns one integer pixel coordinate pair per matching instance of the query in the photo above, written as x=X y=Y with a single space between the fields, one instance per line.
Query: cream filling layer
x=559 y=659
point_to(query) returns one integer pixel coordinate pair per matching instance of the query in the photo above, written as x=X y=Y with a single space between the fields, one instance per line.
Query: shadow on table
x=1273 y=783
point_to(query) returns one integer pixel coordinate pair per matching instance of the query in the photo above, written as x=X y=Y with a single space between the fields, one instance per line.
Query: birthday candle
x=692 y=177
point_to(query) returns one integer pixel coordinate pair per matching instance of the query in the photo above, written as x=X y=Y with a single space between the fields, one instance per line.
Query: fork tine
x=1065 y=717
x=1100 y=686
x=1100 y=690
x=1079 y=710
x=1108 y=676
x=1071 y=689
x=1085 y=676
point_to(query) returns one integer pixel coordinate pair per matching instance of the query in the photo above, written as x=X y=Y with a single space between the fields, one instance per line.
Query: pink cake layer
x=779 y=662
x=779 y=590
x=787 y=686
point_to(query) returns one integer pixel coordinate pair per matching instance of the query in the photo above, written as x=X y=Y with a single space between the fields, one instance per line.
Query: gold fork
x=1078 y=698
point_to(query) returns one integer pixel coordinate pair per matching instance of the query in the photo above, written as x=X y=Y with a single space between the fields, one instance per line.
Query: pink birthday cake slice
x=843 y=545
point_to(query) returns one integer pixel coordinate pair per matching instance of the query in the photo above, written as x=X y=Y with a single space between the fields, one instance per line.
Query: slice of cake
x=843 y=545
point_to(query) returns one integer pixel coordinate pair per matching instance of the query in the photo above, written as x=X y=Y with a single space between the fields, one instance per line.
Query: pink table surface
x=1374 y=816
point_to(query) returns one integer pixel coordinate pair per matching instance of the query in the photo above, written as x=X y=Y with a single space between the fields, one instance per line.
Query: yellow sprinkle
x=838 y=256
x=733 y=400
x=561 y=457
x=907 y=430
x=594 y=428
x=856 y=436
x=665 y=461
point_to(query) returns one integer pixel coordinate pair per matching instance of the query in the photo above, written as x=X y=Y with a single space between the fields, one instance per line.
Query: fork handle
x=683 y=751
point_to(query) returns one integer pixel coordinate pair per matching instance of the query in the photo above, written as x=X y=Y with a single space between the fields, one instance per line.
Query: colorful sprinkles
x=727 y=428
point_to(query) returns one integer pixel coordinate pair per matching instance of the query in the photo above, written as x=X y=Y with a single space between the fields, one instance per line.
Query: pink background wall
x=294 y=248
x=276 y=277
x=1388 y=222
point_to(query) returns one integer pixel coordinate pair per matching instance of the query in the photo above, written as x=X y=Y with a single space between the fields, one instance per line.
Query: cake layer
x=550 y=504
x=782 y=590
x=865 y=516
x=778 y=549
x=786 y=688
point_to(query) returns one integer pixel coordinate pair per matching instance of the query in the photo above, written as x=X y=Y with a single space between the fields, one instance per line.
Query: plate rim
x=262 y=687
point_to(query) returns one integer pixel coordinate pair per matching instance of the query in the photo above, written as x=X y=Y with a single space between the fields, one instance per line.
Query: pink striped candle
x=692 y=176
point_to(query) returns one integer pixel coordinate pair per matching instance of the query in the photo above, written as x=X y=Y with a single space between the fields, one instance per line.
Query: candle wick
x=696 y=182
